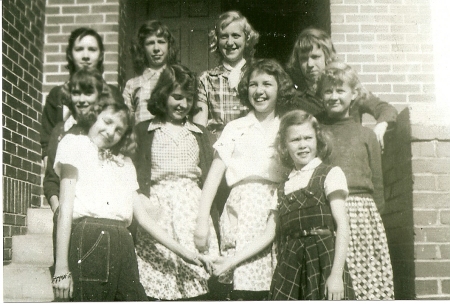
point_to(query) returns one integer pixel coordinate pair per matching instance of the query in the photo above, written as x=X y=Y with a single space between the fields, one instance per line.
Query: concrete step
x=33 y=249
x=26 y=283
x=40 y=220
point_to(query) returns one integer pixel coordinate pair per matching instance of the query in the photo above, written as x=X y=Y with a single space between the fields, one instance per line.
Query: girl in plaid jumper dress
x=172 y=157
x=357 y=152
x=313 y=224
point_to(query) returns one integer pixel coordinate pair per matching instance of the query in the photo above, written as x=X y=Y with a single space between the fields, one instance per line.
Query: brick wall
x=430 y=147
x=23 y=23
x=389 y=43
x=61 y=18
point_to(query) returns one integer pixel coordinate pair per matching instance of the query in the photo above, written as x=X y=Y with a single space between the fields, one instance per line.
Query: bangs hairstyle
x=81 y=33
x=336 y=74
x=224 y=20
x=305 y=43
x=88 y=81
x=285 y=92
x=172 y=77
x=116 y=104
x=137 y=49
x=299 y=117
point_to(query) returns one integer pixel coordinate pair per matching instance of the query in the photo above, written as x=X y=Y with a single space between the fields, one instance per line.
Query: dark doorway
x=279 y=22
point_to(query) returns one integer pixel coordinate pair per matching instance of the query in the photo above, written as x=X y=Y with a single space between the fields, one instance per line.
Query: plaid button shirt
x=137 y=92
x=222 y=101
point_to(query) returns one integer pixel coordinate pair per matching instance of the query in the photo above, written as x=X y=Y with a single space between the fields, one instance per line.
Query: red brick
x=89 y=19
x=425 y=182
x=407 y=88
x=425 y=252
x=345 y=28
x=378 y=28
x=445 y=217
x=431 y=165
x=376 y=68
x=432 y=269
x=445 y=251
x=445 y=286
x=439 y=234
x=425 y=217
x=60 y=19
x=443 y=182
x=110 y=8
x=423 y=149
x=443 y=149
x=426 y=287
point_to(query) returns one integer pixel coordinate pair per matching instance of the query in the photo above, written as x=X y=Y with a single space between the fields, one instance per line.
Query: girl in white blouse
x=246 y=155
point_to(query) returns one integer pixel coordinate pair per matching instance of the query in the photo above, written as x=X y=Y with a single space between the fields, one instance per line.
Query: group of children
x=137 y=182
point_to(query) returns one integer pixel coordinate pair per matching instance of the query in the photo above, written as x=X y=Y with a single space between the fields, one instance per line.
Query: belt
x=313 y=231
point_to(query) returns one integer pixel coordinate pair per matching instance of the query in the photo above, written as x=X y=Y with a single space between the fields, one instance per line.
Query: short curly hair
x=338 y=73
x=172 y=77
x=224 y=20
x=80 y=33
x=299 y=117
x=137 y=49
x=285 y=92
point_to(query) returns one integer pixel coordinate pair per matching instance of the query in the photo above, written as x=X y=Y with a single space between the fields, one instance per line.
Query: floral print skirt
x=174 y=205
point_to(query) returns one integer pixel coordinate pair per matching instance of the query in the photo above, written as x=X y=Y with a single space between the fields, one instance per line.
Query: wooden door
x=190 y=22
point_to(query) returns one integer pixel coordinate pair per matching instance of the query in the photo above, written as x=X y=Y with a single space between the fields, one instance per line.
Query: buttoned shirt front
x=137 y=93
x=223 y=101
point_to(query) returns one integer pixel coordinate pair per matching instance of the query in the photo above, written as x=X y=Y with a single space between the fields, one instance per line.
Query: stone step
x=26 y=283
x=40 y=220
x=33 y=249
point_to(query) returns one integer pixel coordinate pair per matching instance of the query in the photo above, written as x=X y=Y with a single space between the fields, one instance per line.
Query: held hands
x=201 y=235
x=200 y=260
x=222 y=265
x=334 y=287
x=380 y=130
x=62 y=286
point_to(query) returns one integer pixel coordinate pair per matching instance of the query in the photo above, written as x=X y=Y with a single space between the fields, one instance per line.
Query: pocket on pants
x=94 y=257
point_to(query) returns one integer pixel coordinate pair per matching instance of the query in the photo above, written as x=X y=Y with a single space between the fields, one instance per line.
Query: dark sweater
x=382 y=111
x=51 y=179
x=53 y=111
x=357 y=151
x=143 y=160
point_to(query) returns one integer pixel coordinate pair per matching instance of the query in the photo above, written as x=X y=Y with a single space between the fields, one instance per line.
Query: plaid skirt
x=164 y=275
x=368 y=256
x=304 y=265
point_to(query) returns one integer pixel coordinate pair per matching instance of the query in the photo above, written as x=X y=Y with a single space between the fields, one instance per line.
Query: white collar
x=312 y=165
x=69 y=123
x=237 y=67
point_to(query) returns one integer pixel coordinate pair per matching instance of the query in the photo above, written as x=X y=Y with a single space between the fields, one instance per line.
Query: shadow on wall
x=398 y=214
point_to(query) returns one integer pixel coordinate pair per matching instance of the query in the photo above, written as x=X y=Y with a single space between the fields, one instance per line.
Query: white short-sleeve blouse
x=299 y=179
x=104 y=188
x=249 y=152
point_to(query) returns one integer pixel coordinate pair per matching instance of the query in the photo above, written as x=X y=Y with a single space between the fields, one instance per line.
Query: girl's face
x=232 y=43
x=86 y=52
x=108 y=129
x=337 y=99
x=83 y=101
x=156 y=50
x=179 y=105
x=301 y=144
x=262 y=92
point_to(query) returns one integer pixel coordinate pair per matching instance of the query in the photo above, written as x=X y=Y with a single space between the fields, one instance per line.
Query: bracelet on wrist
x=59 y=278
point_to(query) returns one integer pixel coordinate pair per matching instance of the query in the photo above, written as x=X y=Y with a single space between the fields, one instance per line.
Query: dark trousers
x=103 y=262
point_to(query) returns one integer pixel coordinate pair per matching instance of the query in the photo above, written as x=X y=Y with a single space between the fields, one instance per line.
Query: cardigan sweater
x=51 y=179
x=143 y=159
x=357 y=152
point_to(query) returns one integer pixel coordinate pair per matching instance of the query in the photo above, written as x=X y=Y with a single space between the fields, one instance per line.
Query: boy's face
x=156 y=49
x=232 y=43
x=301 y=144
x=312 y=63
x=337 y=99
